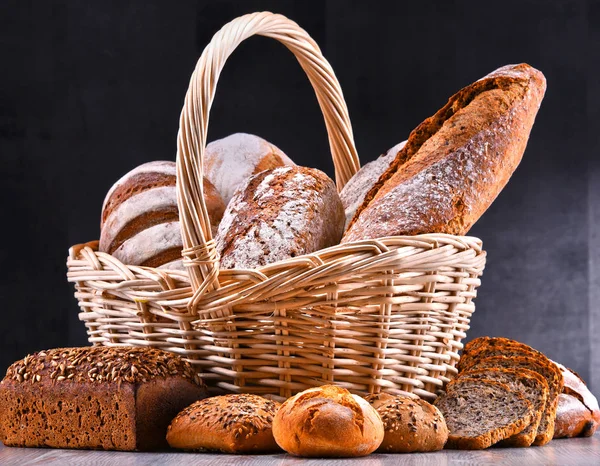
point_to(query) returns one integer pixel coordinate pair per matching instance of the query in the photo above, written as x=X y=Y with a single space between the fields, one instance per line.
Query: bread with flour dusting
x=140 y=218
x=456 y=162
x=279 y=214
x=354 y=192
x=230 y=161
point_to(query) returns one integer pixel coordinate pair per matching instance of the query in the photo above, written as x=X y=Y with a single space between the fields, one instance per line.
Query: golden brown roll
x=327 y=421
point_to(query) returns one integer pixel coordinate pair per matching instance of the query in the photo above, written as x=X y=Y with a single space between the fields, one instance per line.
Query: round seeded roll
x=140 y=217
x=411 y=425
x=226 y=423
x=327 y=421
x=228 y=162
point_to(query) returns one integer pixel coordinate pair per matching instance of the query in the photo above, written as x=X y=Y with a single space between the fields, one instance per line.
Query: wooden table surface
x=567 y=452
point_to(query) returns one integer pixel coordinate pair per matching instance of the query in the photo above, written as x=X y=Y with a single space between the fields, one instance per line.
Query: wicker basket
x=377 y=315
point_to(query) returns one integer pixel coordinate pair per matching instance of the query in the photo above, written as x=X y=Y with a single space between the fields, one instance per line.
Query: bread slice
x=548 y=370
x=480 y=413
x=483 y=346
x=528 y=383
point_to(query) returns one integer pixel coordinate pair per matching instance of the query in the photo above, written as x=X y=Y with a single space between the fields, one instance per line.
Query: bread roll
x=279 y=214
x=140 y=217
x=353 y=194
x=411 y=425
x=227 y=423
x=456 y=162
x=120 y=398
x=230 y=161
x=327 y=421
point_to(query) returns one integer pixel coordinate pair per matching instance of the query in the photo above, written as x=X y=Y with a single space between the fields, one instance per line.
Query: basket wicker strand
x=377 y=315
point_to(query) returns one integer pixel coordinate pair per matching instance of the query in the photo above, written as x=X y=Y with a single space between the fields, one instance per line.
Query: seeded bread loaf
x=327 y=421
x=354 y=192
x=573 y=418
x=480 y=413
x=485 y=346
x=279 y=214
x=120 y=398
x=528 y=383
x=548 y=370
x=230 y=161
x=140 y=217
x=411 y=425
x=227 y=423
x=456 y=162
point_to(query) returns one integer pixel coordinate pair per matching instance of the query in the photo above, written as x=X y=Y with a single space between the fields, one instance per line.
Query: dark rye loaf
x=120 y=398
x=480 y=413
x=526 y=382
x=456 y=162
x=517 y=359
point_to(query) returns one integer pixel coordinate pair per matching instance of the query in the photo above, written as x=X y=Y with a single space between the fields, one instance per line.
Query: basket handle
x=199 y=251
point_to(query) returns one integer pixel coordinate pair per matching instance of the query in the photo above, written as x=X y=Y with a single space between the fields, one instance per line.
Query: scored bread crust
x=524 y=379
x=573 y=418
x=457 y=388
x=235 y=423
x=517 y=358
x=456 y=162
x=328 y=421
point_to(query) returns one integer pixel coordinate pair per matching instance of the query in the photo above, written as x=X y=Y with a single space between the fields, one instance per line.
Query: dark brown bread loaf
x=228 y=423
x=573 y=418
x=120 y=398
x=480 y=413
x=526 y=382
x=516 y=359
x=327 y=421
x=354 y=192
x=456 y=162
x=279 y=214
x=411 y=425
x=140 y=217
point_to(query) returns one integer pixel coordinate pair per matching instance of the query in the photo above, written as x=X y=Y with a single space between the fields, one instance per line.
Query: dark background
x=88 y=90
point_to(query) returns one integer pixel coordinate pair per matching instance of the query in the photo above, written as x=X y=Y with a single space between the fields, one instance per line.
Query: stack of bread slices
x=506 y=393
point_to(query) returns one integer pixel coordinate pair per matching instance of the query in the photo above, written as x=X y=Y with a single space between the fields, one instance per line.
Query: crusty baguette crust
x=456 y=162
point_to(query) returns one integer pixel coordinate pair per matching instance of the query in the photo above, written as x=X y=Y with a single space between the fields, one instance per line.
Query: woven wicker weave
x=385 y=314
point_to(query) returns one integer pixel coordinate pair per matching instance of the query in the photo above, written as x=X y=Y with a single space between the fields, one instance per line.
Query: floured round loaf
x=279 y=214
x=140 y=217
x=354 y=192
x=230 y=161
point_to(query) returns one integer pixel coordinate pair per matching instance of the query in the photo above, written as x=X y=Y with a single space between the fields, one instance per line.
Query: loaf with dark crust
x=120 y=398
x=528 y=383
x=227 y=423
x=328 y=421
x=279 y=214
x=517 y=358
x=411 y=425
x=456 y=162
x=480 y=413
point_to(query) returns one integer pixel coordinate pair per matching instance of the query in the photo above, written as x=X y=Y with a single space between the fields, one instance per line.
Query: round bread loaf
x=230 y=161
x=411 y=425
x=227 y=423
x=140 y=218
x=279 y=214
x=327 y=421
x=353 y=194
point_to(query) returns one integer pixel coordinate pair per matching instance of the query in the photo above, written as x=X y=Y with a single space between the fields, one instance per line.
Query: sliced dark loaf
x=526 y=382
x=484 y=346
x=548 y=370
x=480 y=413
